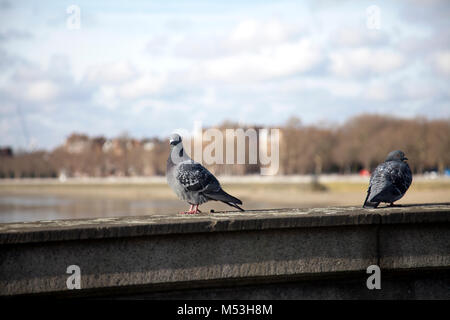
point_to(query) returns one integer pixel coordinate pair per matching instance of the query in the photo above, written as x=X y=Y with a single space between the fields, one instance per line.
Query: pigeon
x=389 y=181
x=191 y=181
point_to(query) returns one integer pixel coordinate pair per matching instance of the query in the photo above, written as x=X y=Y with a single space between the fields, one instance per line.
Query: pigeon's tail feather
x=225 y=198
x=368 y=204
x=234 y=205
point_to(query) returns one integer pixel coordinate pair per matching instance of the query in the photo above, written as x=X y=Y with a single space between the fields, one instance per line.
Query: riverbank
x=41 y=199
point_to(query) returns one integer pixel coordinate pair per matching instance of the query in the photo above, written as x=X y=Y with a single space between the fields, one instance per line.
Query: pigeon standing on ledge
x=191 y=181
x=389 y=181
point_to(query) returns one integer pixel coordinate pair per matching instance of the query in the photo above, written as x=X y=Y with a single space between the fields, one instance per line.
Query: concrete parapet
x=283 y=253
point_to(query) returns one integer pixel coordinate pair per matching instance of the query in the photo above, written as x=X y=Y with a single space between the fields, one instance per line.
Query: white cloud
x=354 y=62
x=251 y=32
x=377 y=92
x=106 y=96
x=110 y=73
x=129 y=94
x=41 y=91
x=415 y=90
x=359 y=36
x=32 y=87
x=129 y=69
x=345 y=89
x=247 y=35
x=146 y=84
x=441 y=61
x=269 y=62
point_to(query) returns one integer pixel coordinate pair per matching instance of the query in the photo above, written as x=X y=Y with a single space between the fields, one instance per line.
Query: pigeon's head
x=174 y=139
x=396 y=155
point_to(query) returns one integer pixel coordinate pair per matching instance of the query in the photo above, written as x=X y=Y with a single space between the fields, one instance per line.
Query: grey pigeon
x=389 y=181
x=191 y=181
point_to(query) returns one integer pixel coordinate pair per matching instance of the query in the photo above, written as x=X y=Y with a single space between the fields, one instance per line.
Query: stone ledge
x=130 y=256
x=117 y=227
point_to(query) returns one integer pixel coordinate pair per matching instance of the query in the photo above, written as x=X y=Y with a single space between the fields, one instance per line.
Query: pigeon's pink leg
x=188 y=212
x=197 y=210
x=192 y=210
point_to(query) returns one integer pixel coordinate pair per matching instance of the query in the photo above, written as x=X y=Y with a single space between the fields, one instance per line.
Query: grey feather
x=191 y=181
x=390 y=180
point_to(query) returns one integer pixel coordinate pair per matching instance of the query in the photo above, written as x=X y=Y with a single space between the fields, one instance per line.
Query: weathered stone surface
x=422 y=285
x=415 y=246
x=117 y=227
x=170 y=253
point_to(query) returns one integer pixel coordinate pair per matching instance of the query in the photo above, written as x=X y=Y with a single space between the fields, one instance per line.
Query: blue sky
x=149 y=67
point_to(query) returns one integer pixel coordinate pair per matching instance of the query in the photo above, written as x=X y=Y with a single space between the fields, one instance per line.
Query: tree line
x=360 y=143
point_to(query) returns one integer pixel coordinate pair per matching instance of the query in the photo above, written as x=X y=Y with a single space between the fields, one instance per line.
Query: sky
x=149 y=67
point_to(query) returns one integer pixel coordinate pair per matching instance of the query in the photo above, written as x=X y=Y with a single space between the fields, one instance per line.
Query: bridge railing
x=282 y=253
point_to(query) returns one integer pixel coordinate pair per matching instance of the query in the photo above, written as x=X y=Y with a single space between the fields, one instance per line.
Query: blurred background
x=90 y=91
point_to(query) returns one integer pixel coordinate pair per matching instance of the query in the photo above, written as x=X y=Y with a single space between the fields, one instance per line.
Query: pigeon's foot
x=192 y=210
x=395 y=205
x=189 y=212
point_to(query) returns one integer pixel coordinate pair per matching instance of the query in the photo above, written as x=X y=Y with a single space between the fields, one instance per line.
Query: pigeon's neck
x=177 y=155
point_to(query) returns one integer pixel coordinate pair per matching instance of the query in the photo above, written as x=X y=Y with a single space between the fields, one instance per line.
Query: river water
x=34 y=208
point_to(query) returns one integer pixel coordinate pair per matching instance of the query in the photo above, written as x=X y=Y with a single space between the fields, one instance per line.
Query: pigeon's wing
x=401 y=176
x=389 y=180
x=194 y=177
x=380 y=183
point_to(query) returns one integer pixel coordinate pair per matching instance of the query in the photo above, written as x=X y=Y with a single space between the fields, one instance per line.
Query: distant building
x=107 y=146
x=77 y=143
x=148 y=144
x=6 y=152
x=98 y=143
x=62 y=175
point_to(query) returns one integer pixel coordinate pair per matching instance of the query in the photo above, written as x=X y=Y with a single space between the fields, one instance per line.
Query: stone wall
x=319 y=253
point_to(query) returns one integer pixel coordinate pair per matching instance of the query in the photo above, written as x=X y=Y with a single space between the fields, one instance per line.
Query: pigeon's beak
x=405 y=158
